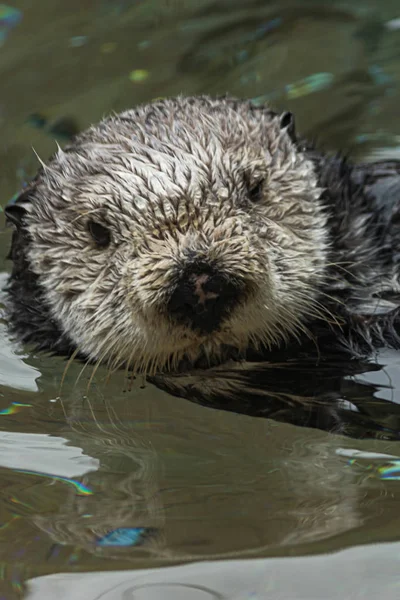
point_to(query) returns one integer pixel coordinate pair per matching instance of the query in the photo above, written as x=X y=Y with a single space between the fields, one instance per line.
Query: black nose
x=202 y=299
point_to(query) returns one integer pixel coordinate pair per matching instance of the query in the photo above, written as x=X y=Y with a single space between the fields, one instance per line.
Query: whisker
x=87 y=362
x=100 y=359
x=95 y=369
x=67 y=366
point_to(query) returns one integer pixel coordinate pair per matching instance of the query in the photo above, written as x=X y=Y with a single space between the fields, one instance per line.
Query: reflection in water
x=305 y=490
x=241 y=460
x=136 y=504
x=116 y=507
x=307 y=392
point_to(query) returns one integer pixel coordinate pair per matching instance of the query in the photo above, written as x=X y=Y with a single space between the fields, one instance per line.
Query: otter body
x=199 y=228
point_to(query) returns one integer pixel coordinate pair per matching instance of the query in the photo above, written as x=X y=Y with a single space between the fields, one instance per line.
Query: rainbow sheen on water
x=14 y=408
x=309 y=85
x=81 y=489
x=9 y=18
x=124 y=536
x=390 y=471
x=302 y=87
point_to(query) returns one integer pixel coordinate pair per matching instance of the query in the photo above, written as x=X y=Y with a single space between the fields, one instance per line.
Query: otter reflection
x=305 y=391
x=214 y=484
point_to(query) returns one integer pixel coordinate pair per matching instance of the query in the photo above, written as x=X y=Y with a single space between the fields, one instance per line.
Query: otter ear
x=287 y=122
x=17 y=208
x=15 y=214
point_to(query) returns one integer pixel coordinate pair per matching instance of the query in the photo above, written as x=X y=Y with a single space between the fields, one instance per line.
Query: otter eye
x=255 y=191
x=100 y=234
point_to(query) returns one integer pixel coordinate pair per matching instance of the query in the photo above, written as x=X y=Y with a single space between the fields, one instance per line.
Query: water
x=104 y=481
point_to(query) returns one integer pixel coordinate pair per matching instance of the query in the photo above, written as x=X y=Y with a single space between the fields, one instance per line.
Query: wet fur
x=317 y=254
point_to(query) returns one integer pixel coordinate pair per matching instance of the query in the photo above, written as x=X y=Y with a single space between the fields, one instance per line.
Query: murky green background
x=78 y=462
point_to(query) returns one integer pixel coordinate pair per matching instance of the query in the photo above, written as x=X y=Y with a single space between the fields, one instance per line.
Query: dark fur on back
x=29 y=315
x=364 y=277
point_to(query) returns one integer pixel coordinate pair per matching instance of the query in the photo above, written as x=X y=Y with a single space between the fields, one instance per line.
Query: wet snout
x=202 y=298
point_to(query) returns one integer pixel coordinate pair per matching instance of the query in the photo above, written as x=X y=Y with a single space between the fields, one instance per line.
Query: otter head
x=176 y=230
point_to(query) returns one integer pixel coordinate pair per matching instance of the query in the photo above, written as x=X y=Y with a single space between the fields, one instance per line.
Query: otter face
x=178 y=229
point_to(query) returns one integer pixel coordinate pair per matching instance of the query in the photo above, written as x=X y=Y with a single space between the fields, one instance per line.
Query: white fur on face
x=169 y=180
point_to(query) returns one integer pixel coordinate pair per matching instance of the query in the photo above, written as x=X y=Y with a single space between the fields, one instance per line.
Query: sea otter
x=195 y=229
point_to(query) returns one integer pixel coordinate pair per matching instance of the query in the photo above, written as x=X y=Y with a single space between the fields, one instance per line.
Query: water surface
x=101 y=480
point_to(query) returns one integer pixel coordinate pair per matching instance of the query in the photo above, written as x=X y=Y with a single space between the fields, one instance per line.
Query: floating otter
x=197 y=229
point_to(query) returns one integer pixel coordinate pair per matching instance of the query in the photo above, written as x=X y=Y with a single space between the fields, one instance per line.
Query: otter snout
x=202 y=298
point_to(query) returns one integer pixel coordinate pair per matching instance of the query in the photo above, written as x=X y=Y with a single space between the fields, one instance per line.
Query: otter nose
x=202 y=299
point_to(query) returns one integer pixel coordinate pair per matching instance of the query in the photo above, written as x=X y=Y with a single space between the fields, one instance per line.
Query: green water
x=79 y=461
